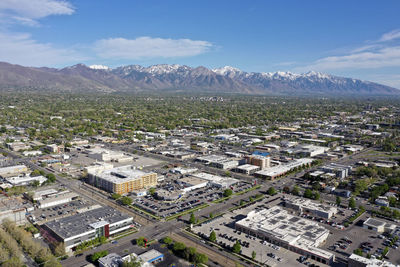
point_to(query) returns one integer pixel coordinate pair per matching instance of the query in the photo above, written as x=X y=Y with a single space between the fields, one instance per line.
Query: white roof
x=122 y=174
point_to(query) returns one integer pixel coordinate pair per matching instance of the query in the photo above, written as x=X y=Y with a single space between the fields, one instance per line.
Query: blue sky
x=359 y=39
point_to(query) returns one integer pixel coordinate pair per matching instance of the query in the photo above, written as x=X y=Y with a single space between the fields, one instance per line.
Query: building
x=32 y=153
x=259 y=160
x=340 y=171
x=24 y=180
x=279 y=170
x=358 y=261
x=166 y=195
x=307 y=206
x=18 y=146
x=103 y=154
x=192 y=183
x=53 y=148
x=246 y=169
x=111 y=260
x=38 y=195
x=152 y=256
x=311 y=150
x=76 y=229
x=14 y=209
x=13 y=170
x=296 y=234
x=378 y=225
x=217 y=181
x=122 y=180
x=55 y=199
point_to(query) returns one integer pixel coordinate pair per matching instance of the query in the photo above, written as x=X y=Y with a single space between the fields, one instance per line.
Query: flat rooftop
x=279 y=223
x=81 y=223
x=374 y=222
x=308 y=204
x=122 y=174
x=192 y=180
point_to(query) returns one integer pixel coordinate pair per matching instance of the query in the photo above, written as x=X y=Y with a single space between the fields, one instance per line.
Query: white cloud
x=22 y=49
x=27 y=12
x=377 y=54
x=389 y=36
x=148 y=47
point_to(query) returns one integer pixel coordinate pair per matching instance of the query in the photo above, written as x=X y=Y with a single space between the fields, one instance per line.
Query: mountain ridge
x=174 y=77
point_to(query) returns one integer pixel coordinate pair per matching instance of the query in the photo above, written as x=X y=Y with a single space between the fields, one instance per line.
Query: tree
x=200 y=258
x=211 y=215
x=316 y=196
x=338 y=200
x=58 y=249
x=212 y=237
x=98 y=255
x=35 y=173
x=152 y=191
x=308 y=193
x=271 y=191
x=228 y=192
x=358 y=252
x=116 y=196
x=141 y=241
x=192 y=219
x=51 y=178
x=135 y=262
x=253 y=255
x=352 y=203
x=126 y=201
x=236 y=247
x=167 y=240
x=295 y=190
x=179 y=246
x=35 y=183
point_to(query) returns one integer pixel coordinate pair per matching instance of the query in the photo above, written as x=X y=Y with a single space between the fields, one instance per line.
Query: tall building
x=122 y=180
x=258 y=160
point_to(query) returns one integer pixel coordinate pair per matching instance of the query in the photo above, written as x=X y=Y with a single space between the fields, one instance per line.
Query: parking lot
x=359 y=237
x=187 y=201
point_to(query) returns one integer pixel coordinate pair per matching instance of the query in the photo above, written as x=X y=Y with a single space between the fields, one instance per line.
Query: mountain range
x=180 y=78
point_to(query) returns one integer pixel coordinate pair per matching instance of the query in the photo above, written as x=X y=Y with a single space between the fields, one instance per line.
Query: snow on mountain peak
x=99 y=67
x=226 y=70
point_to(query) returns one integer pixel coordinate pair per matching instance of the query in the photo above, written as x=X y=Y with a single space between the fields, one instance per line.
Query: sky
x=358 y=39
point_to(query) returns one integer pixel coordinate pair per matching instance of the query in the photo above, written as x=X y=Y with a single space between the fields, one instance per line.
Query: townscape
x=97 y=184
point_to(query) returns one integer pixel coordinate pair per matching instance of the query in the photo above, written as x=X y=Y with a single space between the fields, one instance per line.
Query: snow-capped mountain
x=164 y=77
x=99 y=67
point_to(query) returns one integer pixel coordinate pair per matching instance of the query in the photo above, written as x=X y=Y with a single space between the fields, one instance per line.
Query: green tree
x=167 y=240
x=141 y=241
x=228 y=192
x=271 y=191
x=358 y=252
x=213 y=236
x=338 y=201
x=152 y=191
x=253 y=255
x=200 y=258
x=126 y=201
x=51 y=178
x=35 y=173
x=296 y=190
x=236 y=247
x=115 y=196
x=192 y=218
x=98 y=255
x=316 y=196
x=308 y=193
x=179 y=246
x=352 y=203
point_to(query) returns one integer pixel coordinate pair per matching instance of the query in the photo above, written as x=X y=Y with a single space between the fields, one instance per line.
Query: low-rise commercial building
x=25 y=180
x=296 y=234
x=247 y=169
x=103 y=154
x=358 y=261
x=57 y=199
x=122 y=180
x=378 y=225
x=215 y=180
x=76 y=229
x=13 y=170
x=192 y=183
x=276 y=171
x=307 y=206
